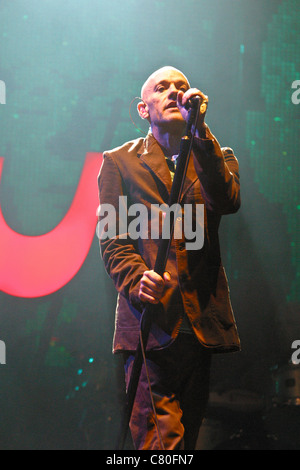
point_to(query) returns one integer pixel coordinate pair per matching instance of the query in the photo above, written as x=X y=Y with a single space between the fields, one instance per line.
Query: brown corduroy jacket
x=198 y=287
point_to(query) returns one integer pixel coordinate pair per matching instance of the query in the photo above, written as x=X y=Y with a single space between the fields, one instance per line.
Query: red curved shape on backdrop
x=37 y=266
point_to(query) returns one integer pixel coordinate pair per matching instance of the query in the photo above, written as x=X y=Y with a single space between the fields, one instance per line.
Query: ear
x=143 y=110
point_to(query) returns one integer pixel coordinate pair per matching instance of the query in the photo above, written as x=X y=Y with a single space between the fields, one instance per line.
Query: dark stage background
x=70 y=71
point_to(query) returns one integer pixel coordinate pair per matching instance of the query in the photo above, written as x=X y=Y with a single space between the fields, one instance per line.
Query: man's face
x=160 y=95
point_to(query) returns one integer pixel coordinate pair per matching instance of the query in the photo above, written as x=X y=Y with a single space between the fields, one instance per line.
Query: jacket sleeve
x=119 y=253
x=218 y=172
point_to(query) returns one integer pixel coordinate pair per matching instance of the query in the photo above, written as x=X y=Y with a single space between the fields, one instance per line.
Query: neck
x=169 y=141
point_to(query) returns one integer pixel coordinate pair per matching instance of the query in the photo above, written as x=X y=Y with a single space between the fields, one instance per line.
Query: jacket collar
x=154 y=158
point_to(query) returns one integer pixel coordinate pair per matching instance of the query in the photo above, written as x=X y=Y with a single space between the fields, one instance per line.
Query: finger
x=167 y=276
x=191 y=93
x=149 y=291
x=194 y=92
x=180 y=95
x=148 y=298
x=153 y=280
x=152 y=286
x=153 y=276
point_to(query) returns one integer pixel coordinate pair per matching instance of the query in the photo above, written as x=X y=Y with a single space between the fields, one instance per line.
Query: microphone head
x=193 y=102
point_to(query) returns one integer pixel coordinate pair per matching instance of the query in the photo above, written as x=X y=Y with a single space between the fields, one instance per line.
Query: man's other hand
x=152 y=286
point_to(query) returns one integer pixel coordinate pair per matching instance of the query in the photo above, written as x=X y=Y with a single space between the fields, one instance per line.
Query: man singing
x=193 y=317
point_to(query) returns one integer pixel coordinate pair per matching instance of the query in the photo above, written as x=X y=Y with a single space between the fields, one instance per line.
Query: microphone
x=193 y=102
x=196 y=101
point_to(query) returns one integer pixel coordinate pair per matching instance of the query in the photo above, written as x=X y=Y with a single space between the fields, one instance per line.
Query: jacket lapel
x=154 y=158
x=191 y=176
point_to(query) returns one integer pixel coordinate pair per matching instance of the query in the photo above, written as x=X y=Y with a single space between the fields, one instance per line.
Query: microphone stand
x=160 y=264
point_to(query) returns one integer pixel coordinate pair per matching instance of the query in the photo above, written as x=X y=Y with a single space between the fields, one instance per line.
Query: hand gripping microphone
x=194 y=102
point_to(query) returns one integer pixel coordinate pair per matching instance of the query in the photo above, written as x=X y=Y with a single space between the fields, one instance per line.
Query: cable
x=151 y=395
x=140 y=130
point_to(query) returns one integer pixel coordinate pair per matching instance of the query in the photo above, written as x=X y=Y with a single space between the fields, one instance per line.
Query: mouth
x=172 y=104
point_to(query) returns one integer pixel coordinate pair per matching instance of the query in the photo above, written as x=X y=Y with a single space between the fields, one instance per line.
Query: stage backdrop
x=68 y=73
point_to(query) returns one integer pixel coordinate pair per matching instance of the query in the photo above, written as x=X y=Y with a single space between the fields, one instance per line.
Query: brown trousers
x=179 y=378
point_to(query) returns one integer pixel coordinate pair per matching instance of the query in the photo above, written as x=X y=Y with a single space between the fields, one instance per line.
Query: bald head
x=156 y=76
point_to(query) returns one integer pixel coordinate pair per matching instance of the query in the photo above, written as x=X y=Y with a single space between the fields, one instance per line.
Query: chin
x=178 y=123
x=174 y=117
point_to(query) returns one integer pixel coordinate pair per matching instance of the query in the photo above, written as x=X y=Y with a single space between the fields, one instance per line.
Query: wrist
x=201 y=131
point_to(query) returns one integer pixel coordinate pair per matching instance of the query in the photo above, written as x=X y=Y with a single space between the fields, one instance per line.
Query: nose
x=173 y=91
